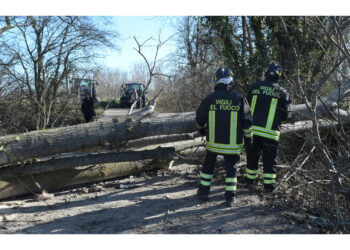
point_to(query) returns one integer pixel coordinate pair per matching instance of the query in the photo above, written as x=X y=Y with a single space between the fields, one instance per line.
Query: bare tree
x=41 y=56
x=11 y=22
x=323 y=159
x=151 y=65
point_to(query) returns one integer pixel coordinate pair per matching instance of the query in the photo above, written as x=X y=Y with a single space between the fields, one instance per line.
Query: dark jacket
x=87 y=107
x=226 y=115
x=270 y=105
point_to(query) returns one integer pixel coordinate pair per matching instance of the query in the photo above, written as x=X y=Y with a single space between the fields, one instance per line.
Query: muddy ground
x=157 y=202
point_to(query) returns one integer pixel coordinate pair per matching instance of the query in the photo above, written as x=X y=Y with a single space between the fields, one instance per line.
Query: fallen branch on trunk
x=160 y=139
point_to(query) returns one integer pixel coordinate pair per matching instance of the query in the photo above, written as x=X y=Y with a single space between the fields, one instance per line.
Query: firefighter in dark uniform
x=87 y=107
x=270 y=105
x=224 y=117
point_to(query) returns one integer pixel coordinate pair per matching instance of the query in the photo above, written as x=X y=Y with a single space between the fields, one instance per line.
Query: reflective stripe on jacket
x=227 y=116
x=269 y=104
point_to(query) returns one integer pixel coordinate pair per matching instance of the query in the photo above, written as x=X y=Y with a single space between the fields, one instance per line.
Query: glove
x=247 y=143
x=202 y=131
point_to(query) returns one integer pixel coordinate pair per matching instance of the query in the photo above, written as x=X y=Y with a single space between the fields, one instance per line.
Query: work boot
x=230 y=198
x=269 y=188
x=202 y=193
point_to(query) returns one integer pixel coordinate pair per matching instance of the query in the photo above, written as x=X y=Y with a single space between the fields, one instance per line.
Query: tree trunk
x=160 y=139
x=114 y=134
x=84 y=136
x=323 y=106
x=86 y=160
x=69 y=177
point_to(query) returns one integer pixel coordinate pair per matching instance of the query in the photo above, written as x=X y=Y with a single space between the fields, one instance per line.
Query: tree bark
x=324 y=105
x=69 y=177
x=109 y=134
x=114 y=134
x=86 y=160
x=86 y=136
x=160 y=139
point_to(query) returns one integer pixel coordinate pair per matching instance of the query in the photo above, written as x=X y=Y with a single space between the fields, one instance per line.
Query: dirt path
x=159 y=202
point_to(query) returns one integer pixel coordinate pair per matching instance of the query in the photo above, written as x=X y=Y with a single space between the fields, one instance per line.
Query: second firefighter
x=270 y=105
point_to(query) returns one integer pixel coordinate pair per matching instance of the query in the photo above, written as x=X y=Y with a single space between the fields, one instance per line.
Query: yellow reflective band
x=253 y=103
x=231 y=180
x=269 y=175
x=230 y=188
x=250 y=171
x=205 y=183
x=221 y=151
x=269 y=181
x=206 y=176
x=248 y=132
x=263 y=132
x=252 y=177
x=267 y=131
x=272 y=112
x=276 y=138
x=211 y=125
x=233 y=128
x=225 y=146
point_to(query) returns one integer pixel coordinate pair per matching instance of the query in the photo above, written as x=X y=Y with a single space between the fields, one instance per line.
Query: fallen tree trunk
x=69 y=177
x=64 y=173
x=86 y=160
x=108 y=133
x=114 y=134
x=45 y=143
x=323 y=106
x=159 y=153
x=167 y=153
x=161 y=139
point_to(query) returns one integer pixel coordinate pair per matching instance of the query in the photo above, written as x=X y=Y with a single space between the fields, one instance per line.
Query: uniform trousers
x=268 y=149
x=208 y=171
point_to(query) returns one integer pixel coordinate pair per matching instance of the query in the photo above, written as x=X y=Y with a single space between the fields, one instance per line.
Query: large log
x=160 y=139
x=323 y=106
x=115 y=134
x=86 y=160
x=109 y=133
x=69 y=177
x=167 y=152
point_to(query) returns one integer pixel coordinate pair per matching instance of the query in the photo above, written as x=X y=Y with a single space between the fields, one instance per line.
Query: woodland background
x=40 y=55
